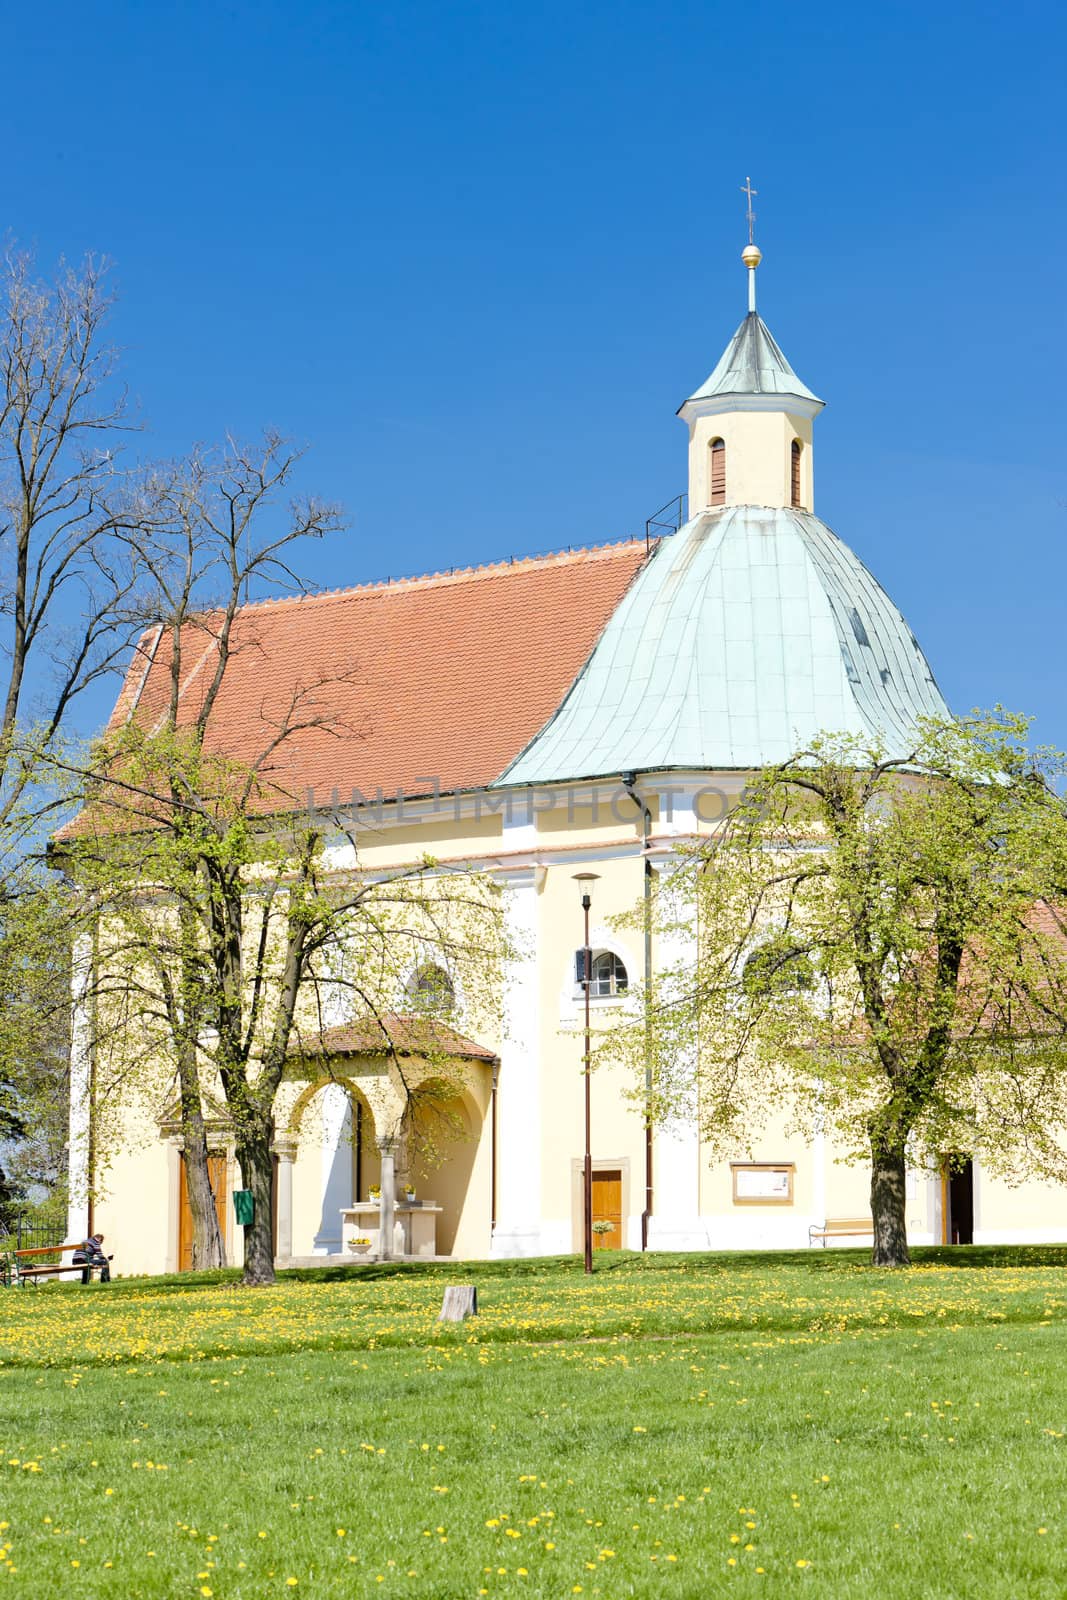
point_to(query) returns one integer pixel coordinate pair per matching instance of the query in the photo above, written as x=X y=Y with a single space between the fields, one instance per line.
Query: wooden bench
x=27 y=1271
x=841 y=1228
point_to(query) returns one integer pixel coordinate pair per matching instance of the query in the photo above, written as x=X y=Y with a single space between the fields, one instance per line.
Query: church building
x=577 y=713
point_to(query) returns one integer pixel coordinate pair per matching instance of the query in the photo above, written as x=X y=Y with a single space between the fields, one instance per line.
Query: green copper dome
x=747 y=633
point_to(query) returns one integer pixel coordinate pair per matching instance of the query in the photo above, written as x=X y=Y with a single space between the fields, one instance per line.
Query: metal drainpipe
x=629 y=781
x=492 y=1180
x=94 y=958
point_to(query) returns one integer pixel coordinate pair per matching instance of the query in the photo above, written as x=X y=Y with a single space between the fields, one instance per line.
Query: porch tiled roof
x=406 y=1035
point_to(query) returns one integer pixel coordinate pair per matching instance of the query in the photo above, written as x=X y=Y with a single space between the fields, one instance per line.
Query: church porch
x=385 y=1149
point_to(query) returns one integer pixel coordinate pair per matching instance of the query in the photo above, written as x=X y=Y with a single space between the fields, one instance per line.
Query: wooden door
x=216 y=1168
x=607 y=1207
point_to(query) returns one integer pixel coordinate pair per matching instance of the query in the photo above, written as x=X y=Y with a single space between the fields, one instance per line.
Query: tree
x=226 y=922
x=67 y=577
x=66 y=585
x=882 y=952
x=36 y=917
x=191 y=529
x=230 y=937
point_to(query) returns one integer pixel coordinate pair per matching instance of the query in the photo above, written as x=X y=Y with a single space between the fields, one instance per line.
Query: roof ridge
x=446 y=575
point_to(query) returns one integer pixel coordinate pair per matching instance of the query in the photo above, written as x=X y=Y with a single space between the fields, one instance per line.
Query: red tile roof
x=444 y=677
x=407 y=1036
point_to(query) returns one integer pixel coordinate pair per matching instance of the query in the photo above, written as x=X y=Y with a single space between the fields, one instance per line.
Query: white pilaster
x=676 y=1223
x=818 y=1175
x=81 y=1079
x=518 y=1226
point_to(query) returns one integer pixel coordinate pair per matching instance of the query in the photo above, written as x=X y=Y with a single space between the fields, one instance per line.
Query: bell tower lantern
x=750 y=424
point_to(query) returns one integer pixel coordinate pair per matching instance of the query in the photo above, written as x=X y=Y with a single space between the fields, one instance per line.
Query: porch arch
x=449 y=1089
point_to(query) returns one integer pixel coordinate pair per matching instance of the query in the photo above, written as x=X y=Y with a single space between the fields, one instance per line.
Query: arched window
x=609 y=975
x=717 y=473
x=794 y=474
x=431 y=991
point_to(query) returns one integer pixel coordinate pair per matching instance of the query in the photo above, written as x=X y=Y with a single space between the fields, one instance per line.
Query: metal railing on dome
x=668 y=519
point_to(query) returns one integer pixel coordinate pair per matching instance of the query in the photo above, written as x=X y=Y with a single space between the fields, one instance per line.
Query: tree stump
x=460 y=1301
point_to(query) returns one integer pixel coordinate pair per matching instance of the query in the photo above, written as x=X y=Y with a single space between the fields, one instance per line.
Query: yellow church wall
x=575 y=824
x=441 y=835
x=461 y=1182
x=848 y=1189
x=136 y=1211
x=1033 y=1212
x=617 y=1131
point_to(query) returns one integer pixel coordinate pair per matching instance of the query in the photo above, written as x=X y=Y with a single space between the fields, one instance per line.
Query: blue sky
x=475 y=255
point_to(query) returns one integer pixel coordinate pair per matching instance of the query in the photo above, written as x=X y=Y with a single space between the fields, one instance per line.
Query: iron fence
x=25 y=1235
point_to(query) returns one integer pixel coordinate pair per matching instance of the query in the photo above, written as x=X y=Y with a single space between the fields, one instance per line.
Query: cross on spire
x=750 y=215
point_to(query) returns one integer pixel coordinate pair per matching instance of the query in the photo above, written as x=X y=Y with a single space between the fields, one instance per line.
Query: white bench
x=841 y=1228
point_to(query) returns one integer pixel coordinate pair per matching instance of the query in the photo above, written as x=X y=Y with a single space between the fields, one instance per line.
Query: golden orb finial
x=752 y=255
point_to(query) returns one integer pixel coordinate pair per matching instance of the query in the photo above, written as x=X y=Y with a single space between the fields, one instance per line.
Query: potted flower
x=360 y=1245
x=409 y=1192
x=375 y=1191
x=602 y=1226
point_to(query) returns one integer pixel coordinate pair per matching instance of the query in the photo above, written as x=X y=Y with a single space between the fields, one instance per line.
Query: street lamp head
x=585 y=881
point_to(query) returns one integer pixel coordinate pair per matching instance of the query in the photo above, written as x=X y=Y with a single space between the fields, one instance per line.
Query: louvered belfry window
x=795 y=474
x=717 y=484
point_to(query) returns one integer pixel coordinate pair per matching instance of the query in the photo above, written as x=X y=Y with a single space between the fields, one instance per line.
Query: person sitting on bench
x=90 y=1254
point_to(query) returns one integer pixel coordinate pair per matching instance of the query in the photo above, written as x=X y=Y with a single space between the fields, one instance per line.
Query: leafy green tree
x=882 y=953
x=226 y=923
x=232 y=937
x=37 y=914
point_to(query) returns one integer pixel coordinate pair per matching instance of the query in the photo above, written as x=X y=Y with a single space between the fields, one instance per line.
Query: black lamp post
x=586 y=880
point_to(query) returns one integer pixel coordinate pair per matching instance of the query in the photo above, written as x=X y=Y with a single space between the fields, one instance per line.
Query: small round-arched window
x=717 y=472
x=794 y=474
x=432 y=991
x=609 y=975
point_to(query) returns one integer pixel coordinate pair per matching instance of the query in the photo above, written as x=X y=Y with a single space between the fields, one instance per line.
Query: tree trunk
x=207 y=1235
x=184 y=1013
x=888 y=1202
x=257 y=1165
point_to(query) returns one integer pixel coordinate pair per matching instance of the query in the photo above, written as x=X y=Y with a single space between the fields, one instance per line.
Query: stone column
x=387 y=1216
x=283 y=1245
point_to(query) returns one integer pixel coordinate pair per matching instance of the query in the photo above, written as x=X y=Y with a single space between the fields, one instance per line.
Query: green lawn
x=677 y=1426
